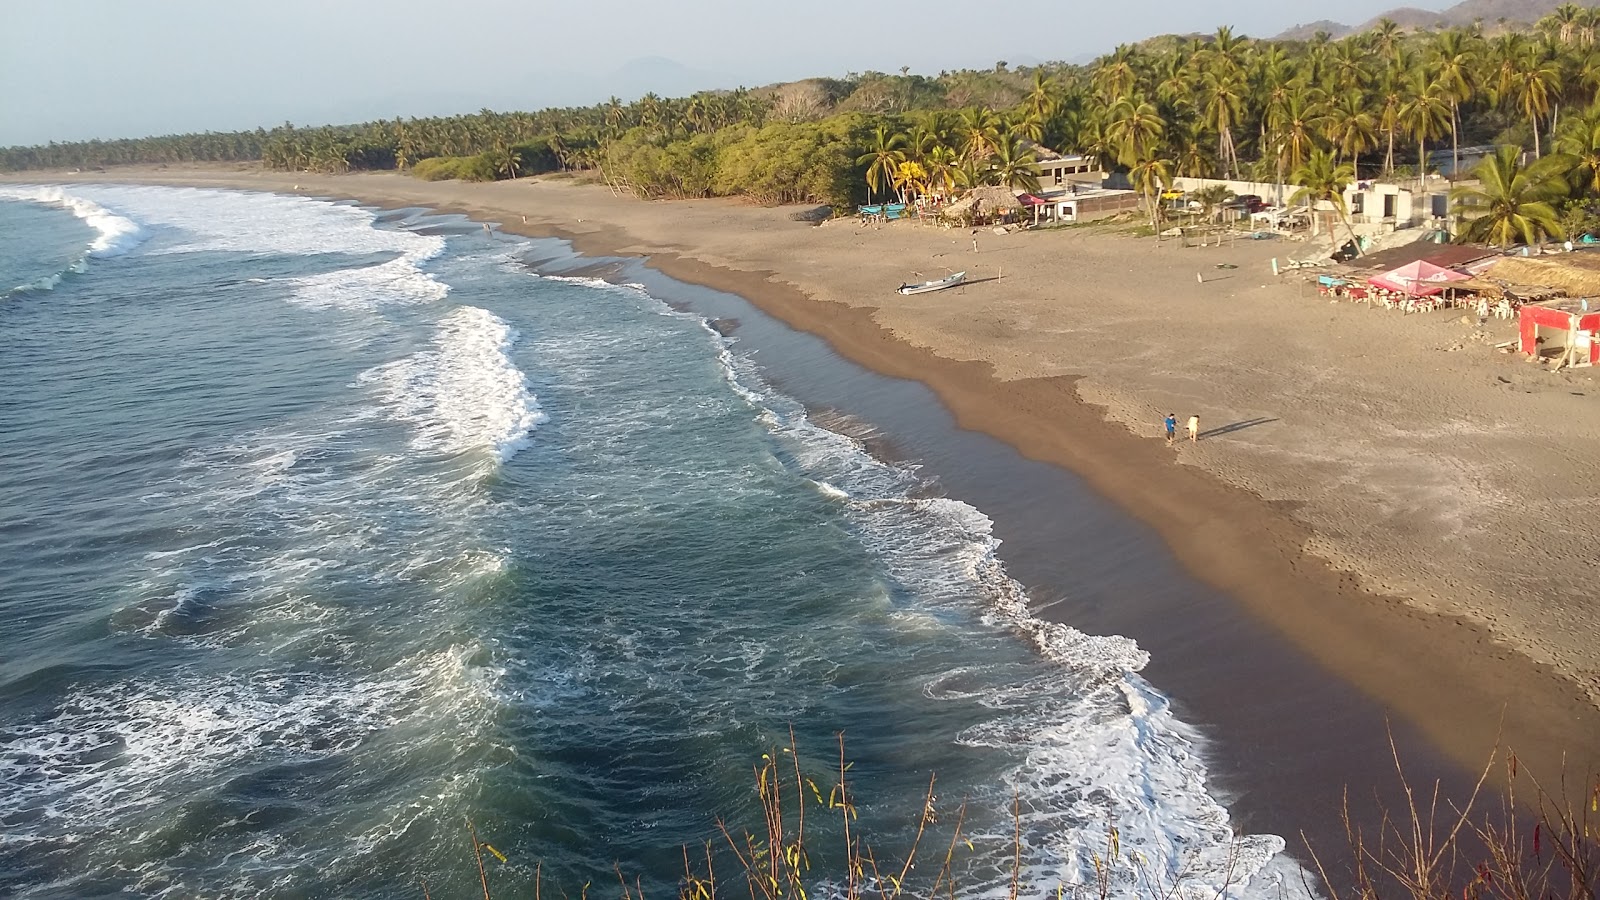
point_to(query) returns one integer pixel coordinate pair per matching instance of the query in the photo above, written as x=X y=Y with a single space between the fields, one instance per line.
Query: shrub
x=444 y=168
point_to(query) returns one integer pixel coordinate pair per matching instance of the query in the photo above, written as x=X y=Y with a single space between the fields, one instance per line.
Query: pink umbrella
x=1419 y=279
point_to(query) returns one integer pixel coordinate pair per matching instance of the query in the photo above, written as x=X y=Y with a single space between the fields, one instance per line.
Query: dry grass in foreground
x=1523 y=842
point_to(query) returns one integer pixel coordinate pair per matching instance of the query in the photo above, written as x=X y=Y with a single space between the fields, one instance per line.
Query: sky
x=81 y=69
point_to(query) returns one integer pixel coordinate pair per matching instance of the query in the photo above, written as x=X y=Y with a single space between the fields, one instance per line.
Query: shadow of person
x=1236 y=426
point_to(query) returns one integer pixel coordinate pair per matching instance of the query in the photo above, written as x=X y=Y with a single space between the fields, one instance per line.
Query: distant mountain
x=1489 y=12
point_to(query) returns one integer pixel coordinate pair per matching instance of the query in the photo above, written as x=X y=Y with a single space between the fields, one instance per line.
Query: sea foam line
x=466 y=393
x=1100 y=744
x=116 y=233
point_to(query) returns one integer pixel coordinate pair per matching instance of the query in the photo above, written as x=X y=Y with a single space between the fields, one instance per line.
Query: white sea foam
x=203 y=220
x=598 y=283
x=465 y=394
x=102 y=758
x=1100 y=746
x=116 y=233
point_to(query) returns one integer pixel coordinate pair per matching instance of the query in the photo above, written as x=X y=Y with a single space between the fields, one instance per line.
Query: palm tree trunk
x=1455 y=140
x=1354 y=241
x=1422 y=164
x=1388 y=160
x=1534 y=121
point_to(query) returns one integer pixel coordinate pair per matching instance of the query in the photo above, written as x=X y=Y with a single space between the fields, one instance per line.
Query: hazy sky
x=77 y=69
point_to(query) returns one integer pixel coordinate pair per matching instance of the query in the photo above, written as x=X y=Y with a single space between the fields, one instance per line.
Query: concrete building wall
x=1380 y=204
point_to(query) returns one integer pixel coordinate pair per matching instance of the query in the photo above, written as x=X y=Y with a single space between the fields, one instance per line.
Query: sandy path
x=1403 y=478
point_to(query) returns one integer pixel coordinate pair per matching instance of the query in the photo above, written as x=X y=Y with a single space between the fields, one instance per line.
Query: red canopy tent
x=1419 y=279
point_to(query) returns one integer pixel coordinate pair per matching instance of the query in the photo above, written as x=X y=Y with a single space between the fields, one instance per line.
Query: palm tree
x=503 y=160
x=971 y=173
x=1512 y=203
x=1424 y=116
x=1150 y=176
x=1028 y=126
x=1211 y=198
x=1531 y=88
x=1302 y=121
x=1322 y=179
x=1176 y=75
x=910 y=179
x=1134 y=130
x=1188 y=139
x=1392 y=94
x=1563 y=23
x=1114 y=76
x=941 y=163
x=1454 y=59
x=980 y=131
x=1386 y=37
x=1580 y=139
x=1227 y=50
x=1351 y=129
x=1222 y=98
x=921 y=140
x=882 y=159
x=1041 y=103
x=1013 y=165
x=1349 y=68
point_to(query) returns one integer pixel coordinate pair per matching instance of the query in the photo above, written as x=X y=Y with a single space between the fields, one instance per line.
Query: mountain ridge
x=1466 y=12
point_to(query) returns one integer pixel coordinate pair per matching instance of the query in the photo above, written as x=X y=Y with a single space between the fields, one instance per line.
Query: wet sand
x=1418 y=520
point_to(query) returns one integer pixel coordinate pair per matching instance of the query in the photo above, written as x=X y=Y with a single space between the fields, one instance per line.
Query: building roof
x=1040 y=151
x=1442 y=255
x=1573 y=305
x=994 y=197
x=1576 y=273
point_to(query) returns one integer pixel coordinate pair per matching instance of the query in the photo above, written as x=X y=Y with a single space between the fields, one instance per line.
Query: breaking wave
x=1100 y=746
x=466 y=393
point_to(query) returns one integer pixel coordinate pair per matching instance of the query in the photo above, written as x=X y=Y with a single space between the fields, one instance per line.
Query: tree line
x=1221 y=105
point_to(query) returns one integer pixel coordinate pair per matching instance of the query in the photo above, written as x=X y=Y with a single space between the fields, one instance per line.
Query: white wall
x=1406 y=211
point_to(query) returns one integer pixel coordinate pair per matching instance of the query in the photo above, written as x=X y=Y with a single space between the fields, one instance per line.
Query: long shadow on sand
x=1236 y=426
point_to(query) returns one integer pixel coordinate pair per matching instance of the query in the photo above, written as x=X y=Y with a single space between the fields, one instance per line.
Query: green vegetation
x=1221 y=105
x=1513 y=203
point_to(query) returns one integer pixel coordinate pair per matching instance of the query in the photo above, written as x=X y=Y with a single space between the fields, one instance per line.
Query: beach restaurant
x=1567 y=330
x=1416 y=279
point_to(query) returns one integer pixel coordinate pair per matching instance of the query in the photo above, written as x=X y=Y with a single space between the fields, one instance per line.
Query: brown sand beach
x=1414 y=511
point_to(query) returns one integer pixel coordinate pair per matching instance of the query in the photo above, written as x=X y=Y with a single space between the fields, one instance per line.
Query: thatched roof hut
x=1578 y=274
x=994 y=200
x=982 y=204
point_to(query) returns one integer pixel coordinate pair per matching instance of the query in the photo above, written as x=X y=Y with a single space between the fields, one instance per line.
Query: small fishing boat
x=930 y=286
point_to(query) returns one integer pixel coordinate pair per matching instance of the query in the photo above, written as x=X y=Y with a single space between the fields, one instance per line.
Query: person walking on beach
x=1194 y=429
x=1172 y=427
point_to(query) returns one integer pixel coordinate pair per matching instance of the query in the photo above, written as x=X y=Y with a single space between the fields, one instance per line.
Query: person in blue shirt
x=1172 y=427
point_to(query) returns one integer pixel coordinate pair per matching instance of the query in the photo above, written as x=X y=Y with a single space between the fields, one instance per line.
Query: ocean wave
x=1101 y=748
x=205 y=220
x=49 y=282
x=466 y=394
x=101 y=761
x=116 y=233
x=398 y=281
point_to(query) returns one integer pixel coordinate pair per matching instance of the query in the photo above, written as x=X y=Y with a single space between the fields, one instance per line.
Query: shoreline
x=1447 y=674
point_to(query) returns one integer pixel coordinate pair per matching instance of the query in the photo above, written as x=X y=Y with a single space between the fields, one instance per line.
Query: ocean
x=333 y=536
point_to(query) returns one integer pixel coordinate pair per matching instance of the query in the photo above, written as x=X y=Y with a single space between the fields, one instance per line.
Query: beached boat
x=928 y=286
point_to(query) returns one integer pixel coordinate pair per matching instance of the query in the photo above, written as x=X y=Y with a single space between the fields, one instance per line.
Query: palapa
x=1578 y=274
x=982 y=203
x=993 y=199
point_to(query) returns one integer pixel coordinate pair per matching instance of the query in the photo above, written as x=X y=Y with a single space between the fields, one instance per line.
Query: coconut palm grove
x=1316 y=113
